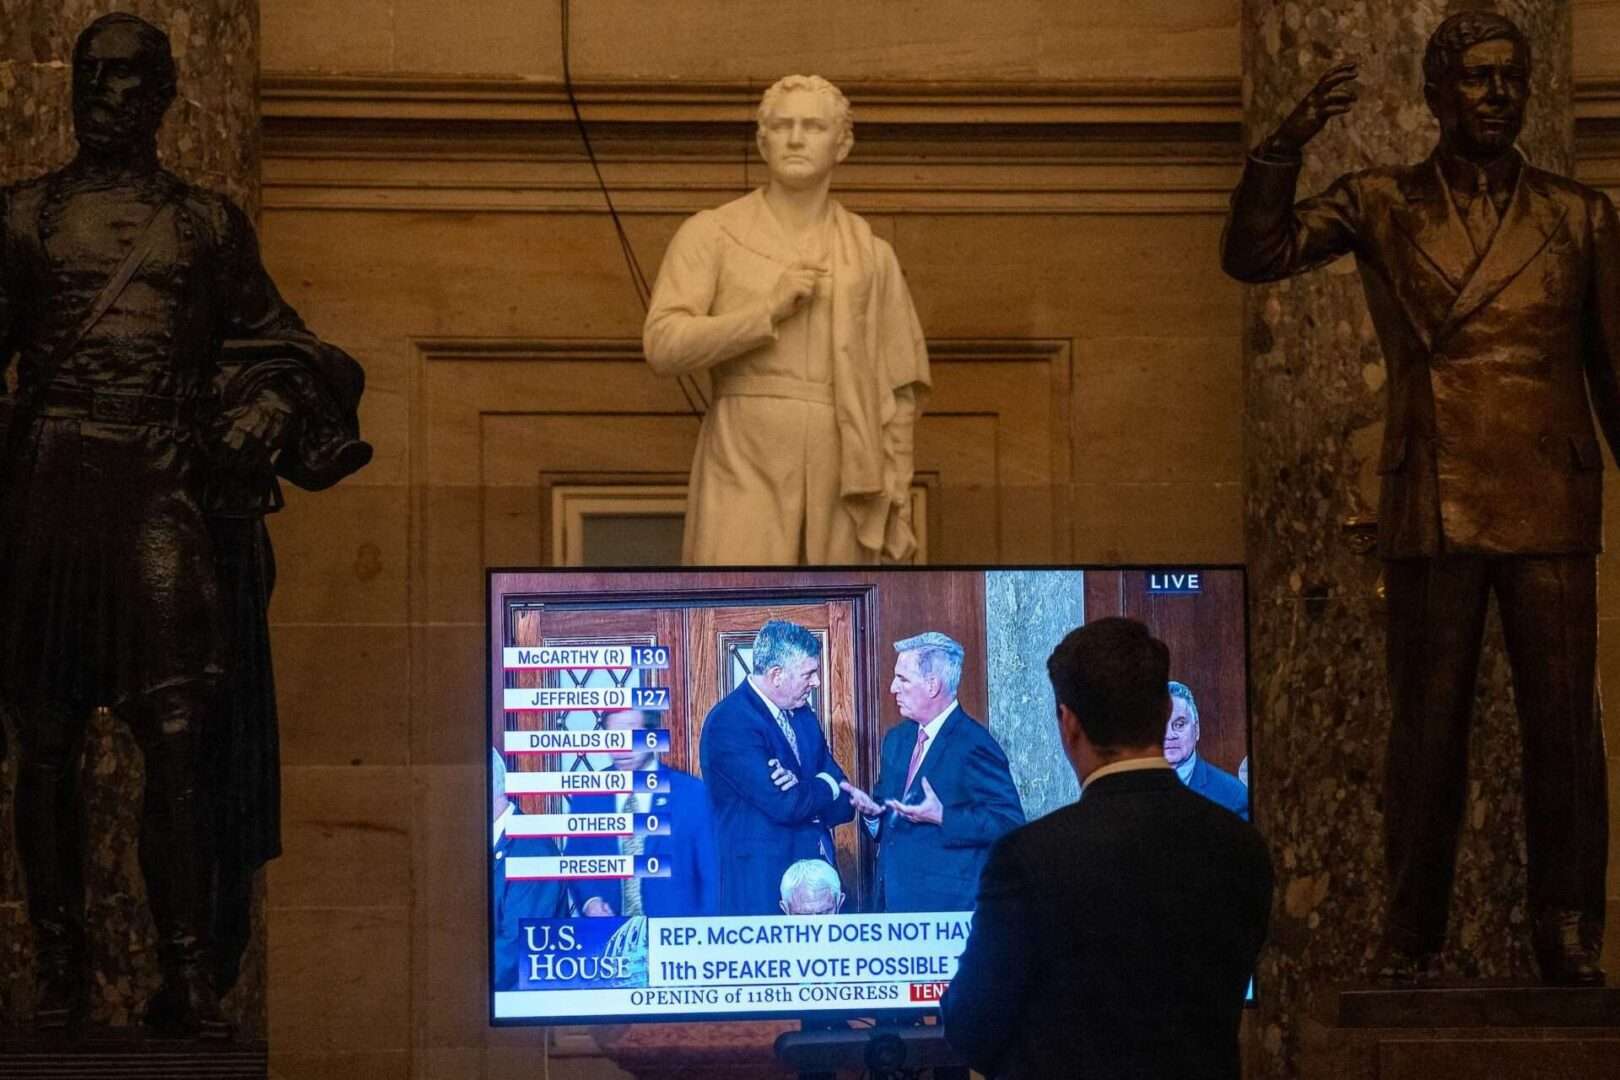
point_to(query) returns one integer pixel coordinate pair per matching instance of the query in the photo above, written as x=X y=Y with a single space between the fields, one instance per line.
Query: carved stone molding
x=506 y=146
x=495 y=145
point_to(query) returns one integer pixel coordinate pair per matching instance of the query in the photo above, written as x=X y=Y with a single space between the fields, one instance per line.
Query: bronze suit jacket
x=1489 y=446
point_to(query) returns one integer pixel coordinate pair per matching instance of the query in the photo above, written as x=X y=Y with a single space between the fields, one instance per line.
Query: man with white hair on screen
x=812 y=887
x=1181 y=751
x=944 y=793
x=802 y=318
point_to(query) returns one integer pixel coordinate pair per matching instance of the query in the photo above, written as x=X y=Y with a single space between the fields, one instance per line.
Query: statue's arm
x=681 y=333
x=1602 y=318
x=1268 y=236
x=288 y=380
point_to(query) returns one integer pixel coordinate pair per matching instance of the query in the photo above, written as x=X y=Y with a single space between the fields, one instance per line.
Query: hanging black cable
x=693 y=393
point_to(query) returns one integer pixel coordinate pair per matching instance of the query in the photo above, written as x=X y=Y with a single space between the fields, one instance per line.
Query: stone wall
x=426 y=206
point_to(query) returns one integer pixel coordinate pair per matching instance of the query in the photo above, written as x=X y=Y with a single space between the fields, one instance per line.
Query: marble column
x=210 y=138
x=1313 y=400
x=1027 y=612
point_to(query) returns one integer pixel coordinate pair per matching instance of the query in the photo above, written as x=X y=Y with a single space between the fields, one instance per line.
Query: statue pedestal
x=124 y=1054
x=1460 y=1033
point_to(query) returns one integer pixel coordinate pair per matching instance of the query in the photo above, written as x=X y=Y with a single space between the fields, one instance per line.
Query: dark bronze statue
x=1495 y=290
x=162 y=385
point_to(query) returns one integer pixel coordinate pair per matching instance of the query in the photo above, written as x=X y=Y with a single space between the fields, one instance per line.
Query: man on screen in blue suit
x=944 y=793
x=693 y=884
x=1181 y=751
x=511 y=901
x=773 y=784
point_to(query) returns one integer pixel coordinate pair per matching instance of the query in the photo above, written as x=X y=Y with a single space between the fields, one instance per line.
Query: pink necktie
x=916 y=759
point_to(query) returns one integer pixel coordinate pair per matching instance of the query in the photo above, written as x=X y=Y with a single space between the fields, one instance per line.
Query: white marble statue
x=818 y=361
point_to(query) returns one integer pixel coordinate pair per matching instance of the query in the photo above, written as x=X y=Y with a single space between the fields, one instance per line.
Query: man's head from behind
x=1181 y=733
x=927 y=671
x=123 y=83
x=1110 y=678
x=811 y=887
x=787 y=663
x=1476 y=80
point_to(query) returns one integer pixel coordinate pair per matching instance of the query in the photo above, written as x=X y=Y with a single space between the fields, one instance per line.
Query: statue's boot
x=1400 y=966
x=51 y=850
x=1566 y=958
x=175 y=860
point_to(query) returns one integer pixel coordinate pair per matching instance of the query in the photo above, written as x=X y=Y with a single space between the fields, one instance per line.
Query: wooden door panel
x=644 y=626
x=704 y=638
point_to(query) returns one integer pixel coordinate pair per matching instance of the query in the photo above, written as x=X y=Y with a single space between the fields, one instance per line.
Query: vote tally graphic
x=569 y=773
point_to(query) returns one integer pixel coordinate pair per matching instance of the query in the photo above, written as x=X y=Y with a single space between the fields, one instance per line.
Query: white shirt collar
x=933 y=726
x=770 y=706
x=1135 y=764
x=503 y=821
x=1185 y=769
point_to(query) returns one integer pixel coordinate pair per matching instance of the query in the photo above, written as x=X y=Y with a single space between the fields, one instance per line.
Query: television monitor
x=649 y=858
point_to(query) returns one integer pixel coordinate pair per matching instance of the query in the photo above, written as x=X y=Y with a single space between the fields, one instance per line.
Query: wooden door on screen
x=711 y=652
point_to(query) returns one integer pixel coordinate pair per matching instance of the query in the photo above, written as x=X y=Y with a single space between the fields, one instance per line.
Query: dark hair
x=154 y=43
x=779 y=643
x=1114 y=676
x=647 y=718
x=1462 y=32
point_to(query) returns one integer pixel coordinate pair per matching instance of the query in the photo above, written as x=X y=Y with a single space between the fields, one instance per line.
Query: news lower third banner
x=768 y=963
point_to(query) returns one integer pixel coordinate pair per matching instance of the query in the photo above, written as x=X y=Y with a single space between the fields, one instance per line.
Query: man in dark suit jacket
x=773 y=784
x=1181 y=751
x=693 y=884
x=1495 y=290
x=944 y=792
x=1114 y=937
x=511 y=901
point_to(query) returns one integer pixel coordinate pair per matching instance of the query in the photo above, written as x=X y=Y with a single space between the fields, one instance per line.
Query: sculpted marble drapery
x=818 y=360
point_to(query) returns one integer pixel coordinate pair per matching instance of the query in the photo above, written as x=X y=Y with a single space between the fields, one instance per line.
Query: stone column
x=211 y=138
x=1313 y=400
x=1026 y=613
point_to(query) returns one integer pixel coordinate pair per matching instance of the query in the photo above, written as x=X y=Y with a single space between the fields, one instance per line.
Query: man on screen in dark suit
x=1115 y=937
x=693 y=884
x=773 y=784
x=944 y=792
x=1181 y=751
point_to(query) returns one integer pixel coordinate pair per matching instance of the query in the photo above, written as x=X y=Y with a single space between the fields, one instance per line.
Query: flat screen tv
x=669 y=839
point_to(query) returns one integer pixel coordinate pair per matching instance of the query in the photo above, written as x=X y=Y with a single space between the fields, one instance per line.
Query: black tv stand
x=885 y=1051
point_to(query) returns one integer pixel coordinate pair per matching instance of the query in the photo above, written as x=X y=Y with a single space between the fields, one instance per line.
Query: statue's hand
x=1331 y=96
x=790 y=291
x=253 y=432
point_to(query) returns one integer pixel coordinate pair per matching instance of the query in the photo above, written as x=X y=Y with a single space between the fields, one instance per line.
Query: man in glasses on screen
x=1097 y=948
x=1181 y=751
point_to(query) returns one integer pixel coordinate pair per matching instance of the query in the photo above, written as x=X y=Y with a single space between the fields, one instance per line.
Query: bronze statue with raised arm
x=162 y=385
x=1494 y=287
